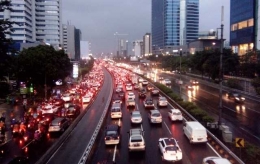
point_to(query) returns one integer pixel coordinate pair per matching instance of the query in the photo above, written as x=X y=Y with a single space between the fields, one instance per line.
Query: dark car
x=46 y=118
x=73 y=111
x=112 y=135
x=142 y=93
x=235 y=97
x=122 y=95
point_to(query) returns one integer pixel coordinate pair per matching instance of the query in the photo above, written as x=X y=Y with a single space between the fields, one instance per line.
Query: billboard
x=75 y=71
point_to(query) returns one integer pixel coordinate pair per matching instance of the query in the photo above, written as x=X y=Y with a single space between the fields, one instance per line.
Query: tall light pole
x=220 y=68
x=180 y=82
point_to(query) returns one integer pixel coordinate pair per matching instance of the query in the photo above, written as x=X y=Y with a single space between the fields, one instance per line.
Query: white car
x=155 y=116
x=131 y=95
x=136 y=117
x=48 y=108
x=86 y=99
x=162 y=101
x=144 y=82
x=148 y=103
x=215 y=160
x=66 y=97
x=170 y=149
x=130 y=102
x=166 y=82
x=136 y=140
x=128 y=87
x=175 y=114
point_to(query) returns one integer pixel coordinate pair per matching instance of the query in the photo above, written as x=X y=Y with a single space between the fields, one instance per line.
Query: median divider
x=49 y=153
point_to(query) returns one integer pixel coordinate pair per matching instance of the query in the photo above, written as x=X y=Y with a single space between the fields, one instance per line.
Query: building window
x=250 y=22
x=234 y=27
x=242 y=24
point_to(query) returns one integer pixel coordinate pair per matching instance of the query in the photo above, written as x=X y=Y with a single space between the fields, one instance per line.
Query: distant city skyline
x=99 y=20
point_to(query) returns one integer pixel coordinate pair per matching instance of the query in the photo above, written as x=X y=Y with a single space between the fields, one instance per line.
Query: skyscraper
x=243 y=25
x=147 y=44
x=174 y=23
x=37 y=20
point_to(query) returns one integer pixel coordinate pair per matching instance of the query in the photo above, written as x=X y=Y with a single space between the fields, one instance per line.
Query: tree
x=43 y=63
x=5 y=43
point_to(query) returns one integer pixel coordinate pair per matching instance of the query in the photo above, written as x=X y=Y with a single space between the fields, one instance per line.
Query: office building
x=147 y=44
x=71 y=41
x=174 y=23
x=244 y=28
x=84 y=49
x=138 y=48
x=38 y=20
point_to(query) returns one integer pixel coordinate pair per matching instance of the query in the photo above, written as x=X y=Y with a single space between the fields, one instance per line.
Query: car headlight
x=237 y=98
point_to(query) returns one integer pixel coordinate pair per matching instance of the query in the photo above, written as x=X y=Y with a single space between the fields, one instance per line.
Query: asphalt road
x=192 y=153
x=243 y=119
x=73 y=148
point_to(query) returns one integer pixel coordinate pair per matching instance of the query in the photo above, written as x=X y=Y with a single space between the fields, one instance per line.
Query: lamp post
x=221 y=69
x=180 y=82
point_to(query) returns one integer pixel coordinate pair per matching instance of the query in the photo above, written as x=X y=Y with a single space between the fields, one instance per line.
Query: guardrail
x=44 y=159
x=213 y=140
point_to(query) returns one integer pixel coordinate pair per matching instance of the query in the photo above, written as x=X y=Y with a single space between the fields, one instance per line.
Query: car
x=236 y=97
x=170 y=149
x=162 y=101
x=73 y=111
x=150 y=87
x=118 y=89
x=189 y=87
x=130 y=102
x=155 y=116
x=112 y=134
x=59 y=125
x=131 y=95
x=148 y=103
x=128 y=87
x=140 y=80
x=136 y=86
x=136 y=140
x=175 y=114
x=66 y=97
x=166 y=82
x=155 y=92
x=144 y=82
x=215 y=160
x=136 y=117
x=194 y=82
x=86 y=98
x=117 y=100
x=116 y=111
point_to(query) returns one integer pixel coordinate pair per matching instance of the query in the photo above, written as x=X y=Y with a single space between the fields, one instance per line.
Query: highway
x=243 y=119
x=192 y=153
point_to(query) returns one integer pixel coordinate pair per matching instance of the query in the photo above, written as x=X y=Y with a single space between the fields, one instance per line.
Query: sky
x=99 y=20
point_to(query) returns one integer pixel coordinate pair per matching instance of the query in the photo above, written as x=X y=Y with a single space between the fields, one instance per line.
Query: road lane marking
x=167 y=128
x=27 y=144
x=142 y=127
x=114 y=154
x=119 y=122
x=213 y=149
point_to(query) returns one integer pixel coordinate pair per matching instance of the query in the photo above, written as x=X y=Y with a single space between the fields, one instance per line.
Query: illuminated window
x=242 y=25
x=250 y=22
x=234 y=27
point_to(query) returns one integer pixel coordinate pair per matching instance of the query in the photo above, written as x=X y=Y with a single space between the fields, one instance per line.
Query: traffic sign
x=240 y=142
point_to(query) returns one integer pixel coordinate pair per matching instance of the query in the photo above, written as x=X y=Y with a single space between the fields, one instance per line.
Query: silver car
x=136 y=117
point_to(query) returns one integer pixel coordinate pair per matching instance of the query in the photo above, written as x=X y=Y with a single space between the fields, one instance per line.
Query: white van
x=195 y=132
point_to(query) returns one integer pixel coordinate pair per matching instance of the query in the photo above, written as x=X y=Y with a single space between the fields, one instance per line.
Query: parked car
x=136 y=140
x=170 y=149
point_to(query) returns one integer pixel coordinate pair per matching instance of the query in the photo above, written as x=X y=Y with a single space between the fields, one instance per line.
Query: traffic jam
x=47 y=120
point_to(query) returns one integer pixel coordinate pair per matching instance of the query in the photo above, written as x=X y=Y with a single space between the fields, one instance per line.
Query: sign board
x=240 y=142
x=23 y=91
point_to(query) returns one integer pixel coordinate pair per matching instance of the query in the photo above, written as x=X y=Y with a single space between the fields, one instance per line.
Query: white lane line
x=142 y=127
x=213 y=149
x=119 y=122
x=167 y=128
x=55 y=152
x=114 y=154
x=27 y=144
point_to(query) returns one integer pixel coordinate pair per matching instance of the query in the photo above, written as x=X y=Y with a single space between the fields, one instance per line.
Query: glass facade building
x=174 y=22
x=242 y=25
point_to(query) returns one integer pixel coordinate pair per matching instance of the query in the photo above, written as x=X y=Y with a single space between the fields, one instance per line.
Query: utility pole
x=220 y=67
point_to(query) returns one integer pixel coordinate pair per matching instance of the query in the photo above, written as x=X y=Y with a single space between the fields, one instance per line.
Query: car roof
x=175 y=110
x=155 y=111
x=112 y=127
x=136 y=131
x=136 y=112
x=170 y=141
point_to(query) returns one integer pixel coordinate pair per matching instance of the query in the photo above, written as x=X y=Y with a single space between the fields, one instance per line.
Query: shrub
x=190 y=106
x=198 y=113
x=208 y=118
x=4 y=89
x=234 y=83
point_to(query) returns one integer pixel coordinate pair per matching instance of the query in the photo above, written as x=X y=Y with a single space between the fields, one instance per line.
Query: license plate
x=199 y=139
